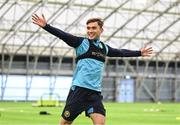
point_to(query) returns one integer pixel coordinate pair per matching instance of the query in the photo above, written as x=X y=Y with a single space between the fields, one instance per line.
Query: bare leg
x=98 y=119
x=65 y=122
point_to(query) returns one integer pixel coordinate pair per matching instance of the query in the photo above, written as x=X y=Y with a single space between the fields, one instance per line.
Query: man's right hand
x=40 y=21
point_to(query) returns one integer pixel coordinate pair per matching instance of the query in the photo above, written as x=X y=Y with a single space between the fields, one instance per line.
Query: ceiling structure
x=128 y=24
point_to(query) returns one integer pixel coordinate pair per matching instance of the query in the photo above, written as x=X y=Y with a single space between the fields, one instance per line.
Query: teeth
x=91 y=35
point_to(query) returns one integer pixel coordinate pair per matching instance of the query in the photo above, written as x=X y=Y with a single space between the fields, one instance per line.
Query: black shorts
x=82 y=99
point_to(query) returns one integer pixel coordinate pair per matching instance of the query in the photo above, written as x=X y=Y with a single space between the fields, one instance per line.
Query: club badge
x=66 y=114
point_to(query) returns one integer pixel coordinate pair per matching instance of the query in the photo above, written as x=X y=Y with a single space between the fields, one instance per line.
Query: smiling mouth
x=91 y=35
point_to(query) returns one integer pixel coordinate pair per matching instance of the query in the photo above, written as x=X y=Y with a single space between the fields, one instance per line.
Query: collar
x=95 y=41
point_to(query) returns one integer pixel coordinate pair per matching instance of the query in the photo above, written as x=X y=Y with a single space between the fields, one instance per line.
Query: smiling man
x=85 y=92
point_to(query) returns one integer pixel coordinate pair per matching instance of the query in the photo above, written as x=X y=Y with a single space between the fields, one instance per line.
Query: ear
x=102 y=30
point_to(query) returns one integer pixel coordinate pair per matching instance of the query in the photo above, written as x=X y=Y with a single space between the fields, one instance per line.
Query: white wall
x=16 y=87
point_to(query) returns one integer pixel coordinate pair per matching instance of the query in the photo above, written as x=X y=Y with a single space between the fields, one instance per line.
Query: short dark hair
x=98 y=20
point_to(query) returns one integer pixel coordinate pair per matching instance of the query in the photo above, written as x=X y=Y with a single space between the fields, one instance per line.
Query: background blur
x=34 y=63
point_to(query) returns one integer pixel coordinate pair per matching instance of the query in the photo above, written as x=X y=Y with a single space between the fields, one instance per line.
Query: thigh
x=65 y=122
x=74 y=104
x=98 y=119
x=95 y=105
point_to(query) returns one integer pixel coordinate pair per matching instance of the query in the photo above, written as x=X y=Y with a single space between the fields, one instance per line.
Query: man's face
x=94 y=30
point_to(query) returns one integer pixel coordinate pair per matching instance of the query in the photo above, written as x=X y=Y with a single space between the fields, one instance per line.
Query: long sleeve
x=112 y=52
x=70 y=39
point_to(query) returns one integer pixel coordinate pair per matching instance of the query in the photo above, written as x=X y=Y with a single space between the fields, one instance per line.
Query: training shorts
x=82 y=99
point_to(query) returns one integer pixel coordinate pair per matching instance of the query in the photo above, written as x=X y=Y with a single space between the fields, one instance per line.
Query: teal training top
x=88 y=72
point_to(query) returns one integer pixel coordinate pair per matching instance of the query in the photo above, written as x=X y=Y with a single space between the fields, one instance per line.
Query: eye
x=94 y=28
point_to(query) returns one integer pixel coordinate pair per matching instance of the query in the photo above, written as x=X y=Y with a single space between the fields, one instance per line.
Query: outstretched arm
x=70 y=39
x=112 y=52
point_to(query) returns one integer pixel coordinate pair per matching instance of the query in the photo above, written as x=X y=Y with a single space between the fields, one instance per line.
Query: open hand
x=146 y=51
x=40 y=21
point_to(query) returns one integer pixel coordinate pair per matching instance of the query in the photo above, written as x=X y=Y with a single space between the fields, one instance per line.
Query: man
x=85 y=92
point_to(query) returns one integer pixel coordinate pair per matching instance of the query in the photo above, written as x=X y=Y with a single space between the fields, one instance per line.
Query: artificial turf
x=22 y=113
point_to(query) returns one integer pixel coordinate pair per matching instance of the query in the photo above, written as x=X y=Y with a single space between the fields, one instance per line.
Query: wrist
x=44 y=26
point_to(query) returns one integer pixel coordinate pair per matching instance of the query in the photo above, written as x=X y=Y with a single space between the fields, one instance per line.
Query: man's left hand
x=146 y=51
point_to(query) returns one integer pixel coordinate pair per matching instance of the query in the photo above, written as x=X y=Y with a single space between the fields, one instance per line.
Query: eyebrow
x=91 y=27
